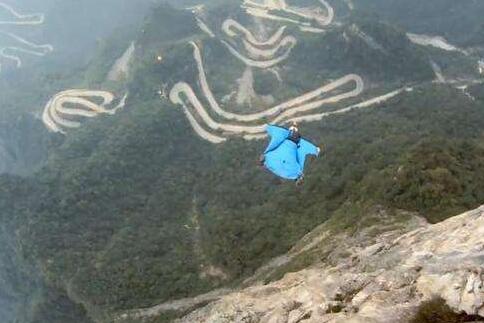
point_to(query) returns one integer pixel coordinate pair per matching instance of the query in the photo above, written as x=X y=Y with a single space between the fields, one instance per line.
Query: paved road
x=55 y=112
x=19 y=44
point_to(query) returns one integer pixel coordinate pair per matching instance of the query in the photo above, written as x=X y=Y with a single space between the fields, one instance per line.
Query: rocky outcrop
x=120 y=69
x=384 y=281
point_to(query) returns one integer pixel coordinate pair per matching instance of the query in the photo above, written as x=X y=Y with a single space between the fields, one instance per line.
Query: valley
x=130 y=189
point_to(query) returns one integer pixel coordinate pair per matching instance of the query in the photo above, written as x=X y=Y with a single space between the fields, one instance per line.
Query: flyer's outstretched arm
x=306 y=148
x=277 y=134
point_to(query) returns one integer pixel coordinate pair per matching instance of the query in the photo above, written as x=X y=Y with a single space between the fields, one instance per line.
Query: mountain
x=369 y=276
x=457 y=21
x=50 y=47
x=131 y=178
x=70 y=27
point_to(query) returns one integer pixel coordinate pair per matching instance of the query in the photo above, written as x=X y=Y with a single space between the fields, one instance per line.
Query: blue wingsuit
x=284 y=157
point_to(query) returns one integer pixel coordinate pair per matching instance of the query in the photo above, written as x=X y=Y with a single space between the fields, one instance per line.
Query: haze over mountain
x=129 y=138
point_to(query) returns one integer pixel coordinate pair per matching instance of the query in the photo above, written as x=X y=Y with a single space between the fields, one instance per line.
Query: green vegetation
x=111 y=217
x=458 y=21
x=379 y=51
x=108 y=224
x=439 y=176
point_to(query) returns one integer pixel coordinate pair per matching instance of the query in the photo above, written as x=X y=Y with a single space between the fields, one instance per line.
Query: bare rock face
x=382 y=282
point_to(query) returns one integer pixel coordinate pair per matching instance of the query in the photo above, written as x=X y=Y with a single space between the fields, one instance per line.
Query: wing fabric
x=283 y=161
x=284 y=157
x=306 y=148
x=277 y=134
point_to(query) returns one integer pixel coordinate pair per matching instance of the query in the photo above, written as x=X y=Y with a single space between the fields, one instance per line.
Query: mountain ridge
x=135 y=208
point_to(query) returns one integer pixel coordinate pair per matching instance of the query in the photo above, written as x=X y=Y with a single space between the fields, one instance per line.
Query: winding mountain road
x=261 y=53
x=257 y=53
x=365 y=104
x=268 y=8
x=320 y=116
x=231 y=28
x=20 y=19
x=278 y=109
x=279 y=113
x=175 y=97
x=211 y=124
x=55 y=111
x=262 y=64
x=202 y=133
x=285 y=112
x=19 y=44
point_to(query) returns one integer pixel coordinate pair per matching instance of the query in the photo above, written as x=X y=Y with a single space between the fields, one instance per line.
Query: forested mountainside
x=130 y=176
x=459 y=22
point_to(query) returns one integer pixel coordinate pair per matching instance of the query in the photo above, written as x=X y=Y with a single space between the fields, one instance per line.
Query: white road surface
x=215 y=124
x=365 y=104
x=434 y=41
x=276 y=110
x=19 y=44
x=20 y=19
x=56 y=114
x=304 y=17
x=231 y=28
x=262 y=64
x=260 y=53
x=183 y=94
